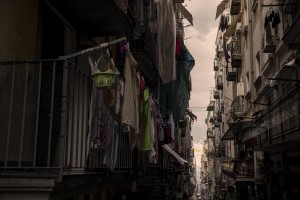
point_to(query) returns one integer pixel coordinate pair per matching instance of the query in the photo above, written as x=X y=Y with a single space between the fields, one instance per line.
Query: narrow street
x=149 y=99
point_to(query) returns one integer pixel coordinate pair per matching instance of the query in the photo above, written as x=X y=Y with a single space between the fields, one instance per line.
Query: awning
x=253 y=132
x=186 y=14
x=231 y=29
x=266 y=88
x=221 y=7
x=280 y=74
x=176 y=155
x=233 y=127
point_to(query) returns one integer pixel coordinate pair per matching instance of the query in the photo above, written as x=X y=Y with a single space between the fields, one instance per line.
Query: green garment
x=146 y=144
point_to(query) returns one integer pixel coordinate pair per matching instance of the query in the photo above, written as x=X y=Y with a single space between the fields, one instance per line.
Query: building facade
x=93 y=103
x=256 y=107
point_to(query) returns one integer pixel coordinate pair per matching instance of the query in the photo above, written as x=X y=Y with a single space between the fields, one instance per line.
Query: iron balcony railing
x=137 y=9
x=219 y=82
x=45 y=106
x=235 y=6
x=278 y=120
x=210 y=133
x=216 y=94
x=216 y=64
x=227 y=166
x=231 y=74
x=45 y=109
x=237 y=108
x=268 y=43
x=290 y=31
x=236 y=53
x=238 y=169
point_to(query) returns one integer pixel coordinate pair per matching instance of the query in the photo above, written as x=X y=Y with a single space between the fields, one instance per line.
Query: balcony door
x=55 y=40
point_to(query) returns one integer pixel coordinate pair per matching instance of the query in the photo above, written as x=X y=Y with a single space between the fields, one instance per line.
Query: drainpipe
x=252 y=75
x=251 y=52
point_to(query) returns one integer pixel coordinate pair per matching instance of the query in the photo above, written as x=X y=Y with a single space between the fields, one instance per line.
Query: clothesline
x=106 y=44
x=101 y=46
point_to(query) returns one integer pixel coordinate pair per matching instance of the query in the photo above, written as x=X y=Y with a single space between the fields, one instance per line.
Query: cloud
x=203 y=15
x=200 y=40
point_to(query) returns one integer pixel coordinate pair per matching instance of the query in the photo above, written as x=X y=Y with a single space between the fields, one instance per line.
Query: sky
x=200 y=41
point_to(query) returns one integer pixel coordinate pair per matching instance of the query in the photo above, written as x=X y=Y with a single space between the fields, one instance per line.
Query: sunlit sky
x=200 y=41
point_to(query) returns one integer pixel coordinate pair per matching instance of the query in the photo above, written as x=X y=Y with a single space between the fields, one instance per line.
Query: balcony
x=227 y=166
x=216 y=64
x=169 y=162
x=291 y=34
x=146 y=66
x=235 y=6
x=219 y=84
x=231 y=76
x=268 y=43
x=248 y=95
x=210 y=133
x=185 y=13
x=136 y=10
x=239 y=170
x=219 y=116
x=237 y=108
x=216 y=94
x=236 y=53
x=233 y=21
x=267 y=66
x=45 y=124
x=283 y=120
x=221 y=150
x=216 y=123
x=265 y=88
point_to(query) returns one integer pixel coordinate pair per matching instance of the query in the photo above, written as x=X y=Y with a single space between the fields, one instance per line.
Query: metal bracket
x=283 y=79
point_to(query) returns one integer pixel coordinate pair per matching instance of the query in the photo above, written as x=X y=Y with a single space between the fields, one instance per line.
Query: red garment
x=177 y=53
x=142 y=86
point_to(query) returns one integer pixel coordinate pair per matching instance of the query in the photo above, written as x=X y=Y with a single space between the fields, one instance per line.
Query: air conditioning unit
x=240 y=89
x=268 y=43
x=238 y=28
